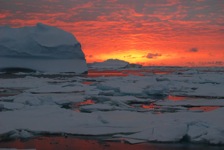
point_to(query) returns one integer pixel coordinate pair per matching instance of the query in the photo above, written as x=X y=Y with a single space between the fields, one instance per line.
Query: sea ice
x=67 y=106
x=10 y=105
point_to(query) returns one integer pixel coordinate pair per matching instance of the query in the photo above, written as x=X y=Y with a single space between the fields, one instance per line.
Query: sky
x=148 y=32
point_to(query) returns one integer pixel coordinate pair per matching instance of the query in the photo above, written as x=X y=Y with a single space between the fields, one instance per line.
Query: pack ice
x=41 y=48
x=133 y=108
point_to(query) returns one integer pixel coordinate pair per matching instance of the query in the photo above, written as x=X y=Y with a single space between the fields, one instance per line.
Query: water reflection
x=204 y=108
x=172 y=108
x=87 y=82
x=176 y=98
x=86 y=102
x=74 y=143
x=76 y=106
x=119 y=73
x=150 y=106
x=106 y=73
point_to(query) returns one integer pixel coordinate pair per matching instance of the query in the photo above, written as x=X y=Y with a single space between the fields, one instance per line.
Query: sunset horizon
x=111 y=74
x=150 y=33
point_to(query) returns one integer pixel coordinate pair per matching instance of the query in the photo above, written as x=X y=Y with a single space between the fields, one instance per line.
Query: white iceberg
x=41 y=48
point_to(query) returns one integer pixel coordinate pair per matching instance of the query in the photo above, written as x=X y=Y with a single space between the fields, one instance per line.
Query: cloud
x=129 y=57
x=3 y=15
x=89 y=56
x=194 y=49
x=212 y=63
x=118 y=26
x=153 y=55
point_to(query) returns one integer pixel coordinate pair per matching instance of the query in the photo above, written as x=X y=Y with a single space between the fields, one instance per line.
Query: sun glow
x=132 y=56
x=136 y=56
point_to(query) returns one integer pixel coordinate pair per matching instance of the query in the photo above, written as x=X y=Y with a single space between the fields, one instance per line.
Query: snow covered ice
x=134 y=108
x=40 y=48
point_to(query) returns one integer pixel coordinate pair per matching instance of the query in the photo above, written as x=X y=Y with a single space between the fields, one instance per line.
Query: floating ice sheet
x=122 y=107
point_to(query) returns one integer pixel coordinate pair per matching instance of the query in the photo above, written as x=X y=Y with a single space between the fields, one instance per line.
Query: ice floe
x=134 y=108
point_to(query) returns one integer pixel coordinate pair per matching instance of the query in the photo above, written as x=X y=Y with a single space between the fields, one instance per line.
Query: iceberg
x=41 y=48
x=113 y=64
x=109 y=64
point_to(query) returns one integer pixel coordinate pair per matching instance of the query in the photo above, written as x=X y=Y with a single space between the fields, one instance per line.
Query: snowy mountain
x=113 y=64
x=42 y=48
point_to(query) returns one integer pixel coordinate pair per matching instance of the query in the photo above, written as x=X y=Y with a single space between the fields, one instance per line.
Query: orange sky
x=149 y=32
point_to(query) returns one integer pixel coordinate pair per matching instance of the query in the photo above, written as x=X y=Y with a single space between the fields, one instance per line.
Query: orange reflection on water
x=86 y=102
x=54 y=143
x=176 y=98
x=161 y=72
x=204 y=108
x=133 y=72
x=111 y=73
x=107 y=73
x=150 y=106
x=62 y=143
x=73 y=143
x=87 y=82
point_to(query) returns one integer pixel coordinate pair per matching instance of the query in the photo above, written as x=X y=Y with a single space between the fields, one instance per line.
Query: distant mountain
x=42 y=48
x=113 y=64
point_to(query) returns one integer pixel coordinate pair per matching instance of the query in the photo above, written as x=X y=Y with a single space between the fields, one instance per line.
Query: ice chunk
x=21 y=134
x=11 y=106
x=96 y=107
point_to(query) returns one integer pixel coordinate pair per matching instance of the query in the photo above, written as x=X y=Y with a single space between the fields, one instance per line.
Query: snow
x=101 y=107
x=116 y=107
x=166 y=127
x=41 y=48
x=10 y=106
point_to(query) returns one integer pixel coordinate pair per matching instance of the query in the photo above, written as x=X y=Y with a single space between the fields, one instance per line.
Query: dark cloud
x=89 y=56
x=129 y=57
x=194 y=49
x=153 y=55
